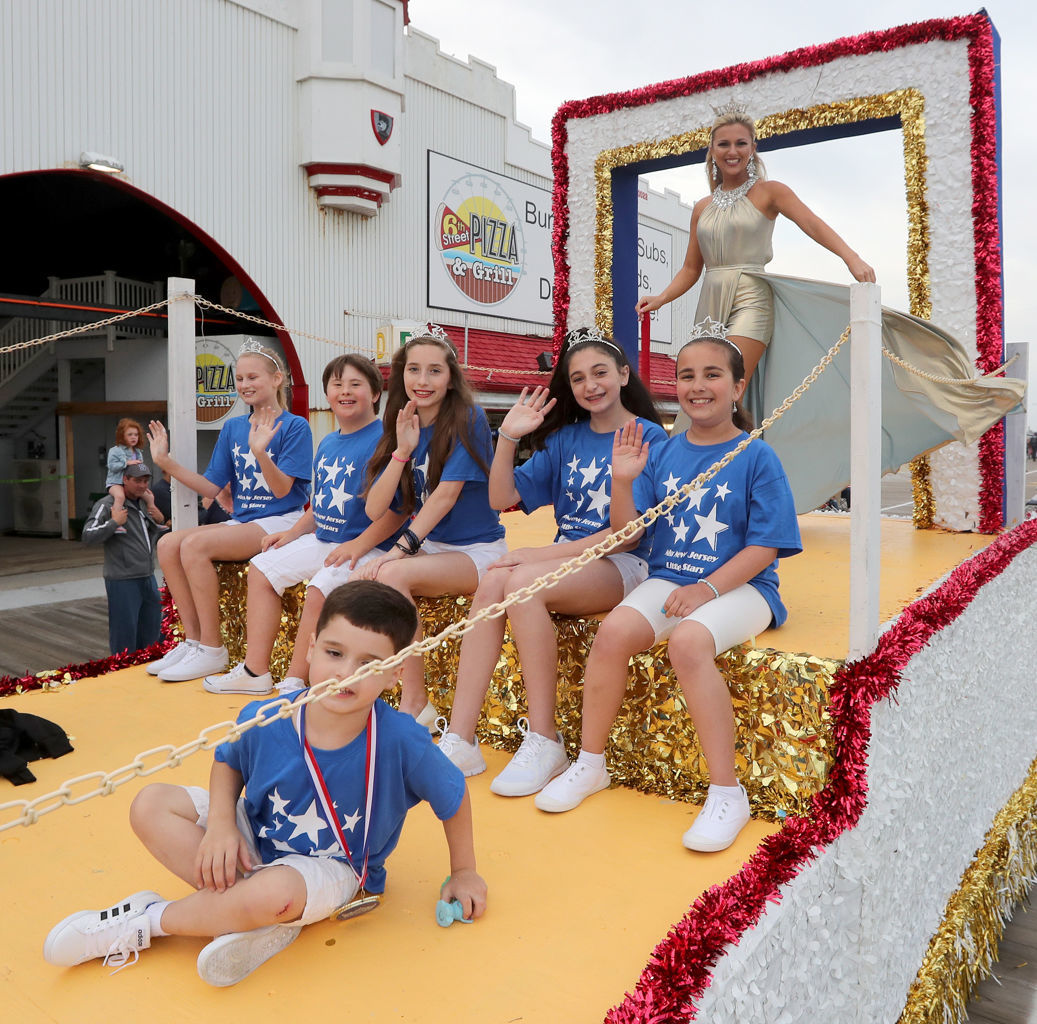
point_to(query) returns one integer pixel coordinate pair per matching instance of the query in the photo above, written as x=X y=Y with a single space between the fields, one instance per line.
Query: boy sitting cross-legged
x=218 y=841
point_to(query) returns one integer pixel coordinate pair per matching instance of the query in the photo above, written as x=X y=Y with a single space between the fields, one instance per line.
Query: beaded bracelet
x=508 y=437
x=716 y=593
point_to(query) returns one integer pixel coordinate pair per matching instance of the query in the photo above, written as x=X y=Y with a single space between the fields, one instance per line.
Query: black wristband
x=409 y=542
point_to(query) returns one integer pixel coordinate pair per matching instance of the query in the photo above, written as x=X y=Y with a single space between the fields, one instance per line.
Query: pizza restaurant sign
x=489 y=242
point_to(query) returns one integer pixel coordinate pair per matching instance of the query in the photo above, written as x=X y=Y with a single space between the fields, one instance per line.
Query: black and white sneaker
x=115 y=934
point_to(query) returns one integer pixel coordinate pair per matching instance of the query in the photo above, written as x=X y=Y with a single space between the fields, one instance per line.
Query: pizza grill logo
x=480 y=240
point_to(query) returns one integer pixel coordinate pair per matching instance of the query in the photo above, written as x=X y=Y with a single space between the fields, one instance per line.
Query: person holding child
x=125 y=452
x=592 y=393
x=433 y=461
x=712 y=579
x=258 y=876
x=265 y=457
x=331 y=538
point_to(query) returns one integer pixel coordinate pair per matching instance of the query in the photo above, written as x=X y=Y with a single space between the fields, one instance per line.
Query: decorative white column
x=183 y=439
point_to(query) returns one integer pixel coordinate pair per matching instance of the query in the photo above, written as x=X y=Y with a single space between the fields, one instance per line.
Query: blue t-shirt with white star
x=282 y=805
x=339 y=469
x=749 y=502
x=232 y=462
x=573 y=472
x=471 y=520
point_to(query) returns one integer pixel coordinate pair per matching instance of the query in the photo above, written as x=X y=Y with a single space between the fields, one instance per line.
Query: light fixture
x=545 y=361
x=100 y=162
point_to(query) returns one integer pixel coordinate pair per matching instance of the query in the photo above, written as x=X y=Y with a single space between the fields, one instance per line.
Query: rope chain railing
x=30 y=811
x=489 y=370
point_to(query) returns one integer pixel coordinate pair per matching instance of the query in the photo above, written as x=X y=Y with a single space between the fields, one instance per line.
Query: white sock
x=591 y=760
x=726 y=790
x=154 y=912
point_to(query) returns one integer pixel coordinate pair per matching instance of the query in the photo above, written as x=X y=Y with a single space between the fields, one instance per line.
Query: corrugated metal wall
x=196 y=98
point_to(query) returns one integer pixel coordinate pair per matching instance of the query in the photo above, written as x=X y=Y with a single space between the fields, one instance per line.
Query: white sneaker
x=570 y=789
x=237 y=680
x=717 y=826
x=534 y=765
x=170 y=658
x=199 y=661
x=428 y=717
x=116 y=934
x=231 y=957
x=467 y=756
x=290 y=684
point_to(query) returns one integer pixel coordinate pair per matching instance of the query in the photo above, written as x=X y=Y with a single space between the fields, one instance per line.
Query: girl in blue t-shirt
x=592 y=393
x=433 y=462
x=711 y=585
x=265 y=458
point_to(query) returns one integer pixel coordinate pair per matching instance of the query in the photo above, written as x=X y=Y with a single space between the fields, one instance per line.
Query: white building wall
x=198 y=100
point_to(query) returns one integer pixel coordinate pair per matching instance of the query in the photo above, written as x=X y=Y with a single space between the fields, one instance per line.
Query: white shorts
x=734 y=617
x=303 y=559
x=483 y=555
x=329 y=882
x=633 y=571
x=331 y=576
x=270 y=524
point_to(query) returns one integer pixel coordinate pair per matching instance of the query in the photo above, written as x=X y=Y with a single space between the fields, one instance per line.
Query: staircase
x=29 y=376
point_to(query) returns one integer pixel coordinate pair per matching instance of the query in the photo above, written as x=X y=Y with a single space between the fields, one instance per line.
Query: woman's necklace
x=729 y=198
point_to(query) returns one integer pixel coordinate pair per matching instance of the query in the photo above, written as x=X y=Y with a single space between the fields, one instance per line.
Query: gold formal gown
x=799 y=320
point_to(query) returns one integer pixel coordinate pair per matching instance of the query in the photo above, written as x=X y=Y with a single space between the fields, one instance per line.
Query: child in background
x=330 y=539
x=217 y=841
x=265 y=456
x=434 y=460
x=712 y=578
x=592 y=393
x=124 y=453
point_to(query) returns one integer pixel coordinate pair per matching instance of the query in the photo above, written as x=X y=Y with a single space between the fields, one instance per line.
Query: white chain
x=222 y=732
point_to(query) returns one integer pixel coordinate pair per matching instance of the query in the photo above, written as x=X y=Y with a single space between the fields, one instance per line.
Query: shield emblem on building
x=382 y=124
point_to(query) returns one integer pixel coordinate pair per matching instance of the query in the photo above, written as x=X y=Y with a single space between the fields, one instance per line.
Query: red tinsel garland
x=989 y=307
x=680 y=967
x=37 y=681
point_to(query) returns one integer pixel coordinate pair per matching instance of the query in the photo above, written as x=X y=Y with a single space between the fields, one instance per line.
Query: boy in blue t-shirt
x=345 y=765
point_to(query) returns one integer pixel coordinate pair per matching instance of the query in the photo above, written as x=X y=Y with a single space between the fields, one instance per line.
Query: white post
x=182 y=429
x=865 y=465
x=1015 y=442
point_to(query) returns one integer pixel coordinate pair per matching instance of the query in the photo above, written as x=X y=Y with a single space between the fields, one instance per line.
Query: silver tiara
x=435 y=331
x=733 y=107
x=711 y=330
x=253 y=347
x=582 y=335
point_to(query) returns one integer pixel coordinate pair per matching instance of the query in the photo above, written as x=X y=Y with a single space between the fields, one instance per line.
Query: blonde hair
x=265 y=352
x=722 y=121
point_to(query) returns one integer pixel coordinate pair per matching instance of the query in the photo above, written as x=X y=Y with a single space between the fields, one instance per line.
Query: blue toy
x=448 y=913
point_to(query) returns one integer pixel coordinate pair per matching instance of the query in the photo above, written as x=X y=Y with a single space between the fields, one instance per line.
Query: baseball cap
x=138 y=469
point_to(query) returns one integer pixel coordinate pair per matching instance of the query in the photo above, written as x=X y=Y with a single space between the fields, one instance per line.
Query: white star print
x=318 y=499
x=250 y=460
x=574 y=465
x=591 y=472
x=671 y=483
x=246 y=483
x=569 y=494
x=696 y=496
x=723 y=491
x=260 y=481
x=350 y=468
x=709 y=527
x=599 y=500
x=681 y=532
x=323 y=462
x=310 y=824
x=339 y=497
x=423 y=468
x=237 y=451
x=332 y=469
x=278 y=802
x=280 y=844
x=349 y=821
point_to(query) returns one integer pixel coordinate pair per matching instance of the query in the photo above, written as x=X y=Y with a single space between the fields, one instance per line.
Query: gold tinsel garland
x=965 y=945
x=783 y=739
x=908 y=104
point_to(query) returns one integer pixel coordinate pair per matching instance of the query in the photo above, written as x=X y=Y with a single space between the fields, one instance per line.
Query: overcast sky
x=553 y=52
